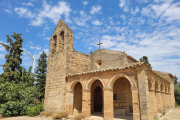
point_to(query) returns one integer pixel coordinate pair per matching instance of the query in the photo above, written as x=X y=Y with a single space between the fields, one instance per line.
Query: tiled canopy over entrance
x=110 y=82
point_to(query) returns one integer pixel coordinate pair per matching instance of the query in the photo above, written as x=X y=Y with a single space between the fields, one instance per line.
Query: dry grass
x=57 y=115
x=78 y=116
x=65 y=114
x=45 y=113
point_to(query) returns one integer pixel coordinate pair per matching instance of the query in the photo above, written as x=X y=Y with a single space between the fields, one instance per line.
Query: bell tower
x=61 y=45
x=62 y=39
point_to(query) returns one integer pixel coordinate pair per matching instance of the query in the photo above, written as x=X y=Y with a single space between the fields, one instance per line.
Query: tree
x=175 y=80
x=12 y=68
x=27 y=77
x=145 y=59
x=41 y=75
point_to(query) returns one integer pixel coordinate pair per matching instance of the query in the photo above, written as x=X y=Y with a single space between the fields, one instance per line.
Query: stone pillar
x=86 y=103
x=108 y=104
x=69 y=102
x=135 y=103
x=158 y=100
x=163 y=99
x=152 y=101
x=143 y=94
x=167 y=100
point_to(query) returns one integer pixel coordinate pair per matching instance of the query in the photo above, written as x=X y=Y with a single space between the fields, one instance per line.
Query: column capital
x=86 y=90
x=151 y=90
x=106 y=89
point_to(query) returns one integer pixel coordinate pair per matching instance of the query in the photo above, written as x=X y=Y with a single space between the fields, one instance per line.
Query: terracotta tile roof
x=108 y=69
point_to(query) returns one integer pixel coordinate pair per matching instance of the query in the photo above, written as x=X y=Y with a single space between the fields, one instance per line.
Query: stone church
x=107 y=82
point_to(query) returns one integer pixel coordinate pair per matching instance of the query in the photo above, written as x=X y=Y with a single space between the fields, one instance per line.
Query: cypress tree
x=41 y=75
x=12 y=68
x=145 y=59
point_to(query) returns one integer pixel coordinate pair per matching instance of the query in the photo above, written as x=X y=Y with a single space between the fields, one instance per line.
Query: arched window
x=54 y=44
x=62 y=39
x=62 y=35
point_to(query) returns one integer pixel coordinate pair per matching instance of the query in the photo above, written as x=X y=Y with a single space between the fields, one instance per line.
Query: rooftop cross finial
x=99 y=45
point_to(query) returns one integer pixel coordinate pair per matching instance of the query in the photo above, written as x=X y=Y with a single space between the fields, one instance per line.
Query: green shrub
x=33 y=111
x=15 y=98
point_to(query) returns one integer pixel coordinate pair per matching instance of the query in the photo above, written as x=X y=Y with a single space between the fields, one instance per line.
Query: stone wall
x=77 y=62
x=108 y=58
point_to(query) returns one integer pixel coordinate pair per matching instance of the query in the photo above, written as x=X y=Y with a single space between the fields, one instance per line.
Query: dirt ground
x=172 y=115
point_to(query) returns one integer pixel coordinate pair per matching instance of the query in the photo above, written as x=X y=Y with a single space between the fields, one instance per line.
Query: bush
x=33 y=111
x=177 y=93
x=15 y=98
x=78 y=116
x=57 y=115
x=45 y=113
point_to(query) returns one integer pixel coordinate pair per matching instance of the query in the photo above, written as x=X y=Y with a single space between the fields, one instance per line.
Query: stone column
x=69 y=102
x=158 y=100
x=143 y=94
x=167 y=100
x=152 y=101
x=108 y=104
x=163 y=99
x=86 y=103
x=135 y=103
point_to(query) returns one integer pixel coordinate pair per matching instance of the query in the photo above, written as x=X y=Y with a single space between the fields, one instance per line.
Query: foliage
x=27 y=77
x=33 y=111
x=175 y=80
x=14 y=98
x=90 y=52
x=12 y=68
x=41 y=75
x=145 y=59
x=177 y=93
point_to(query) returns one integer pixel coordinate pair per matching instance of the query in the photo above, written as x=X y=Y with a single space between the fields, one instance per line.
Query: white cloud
x=95 y=9
x=8 y=11
x=52 y=12
x=27 y=30
x=85 y=2
x=97 y=22
x=35 y=47
x=47 y=38
x=122 y=3
x=81 y=21
x=27 y=4
x=123 y=16
x=24 y=12
x=2 y=56
x=134 y=11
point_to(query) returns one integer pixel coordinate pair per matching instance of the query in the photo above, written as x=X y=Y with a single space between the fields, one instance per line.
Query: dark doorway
x=98 y=105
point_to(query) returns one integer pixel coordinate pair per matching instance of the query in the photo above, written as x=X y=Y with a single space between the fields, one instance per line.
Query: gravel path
x=27 y=118
x=172 y=115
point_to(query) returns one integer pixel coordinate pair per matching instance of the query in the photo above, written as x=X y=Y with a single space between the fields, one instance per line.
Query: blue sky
x=138 y=27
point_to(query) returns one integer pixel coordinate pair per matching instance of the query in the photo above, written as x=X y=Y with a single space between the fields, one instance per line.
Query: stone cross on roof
x=99 y=45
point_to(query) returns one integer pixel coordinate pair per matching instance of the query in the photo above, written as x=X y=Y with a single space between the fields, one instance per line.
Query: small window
x=98 y=63
x=114 y=96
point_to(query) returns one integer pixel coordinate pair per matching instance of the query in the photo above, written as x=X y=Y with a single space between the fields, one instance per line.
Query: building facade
x=106 y=81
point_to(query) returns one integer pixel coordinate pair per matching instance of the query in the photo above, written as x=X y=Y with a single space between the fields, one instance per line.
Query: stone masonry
x=109 y=82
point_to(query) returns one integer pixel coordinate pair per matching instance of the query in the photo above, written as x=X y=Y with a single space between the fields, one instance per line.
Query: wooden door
x=98 y=104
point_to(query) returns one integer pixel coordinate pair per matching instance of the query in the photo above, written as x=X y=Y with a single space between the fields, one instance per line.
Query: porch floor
x=98 y=116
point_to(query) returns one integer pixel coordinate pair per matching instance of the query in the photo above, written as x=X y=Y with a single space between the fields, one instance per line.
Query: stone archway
x=97 y=97
x=77 y=99
x=122 y=97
